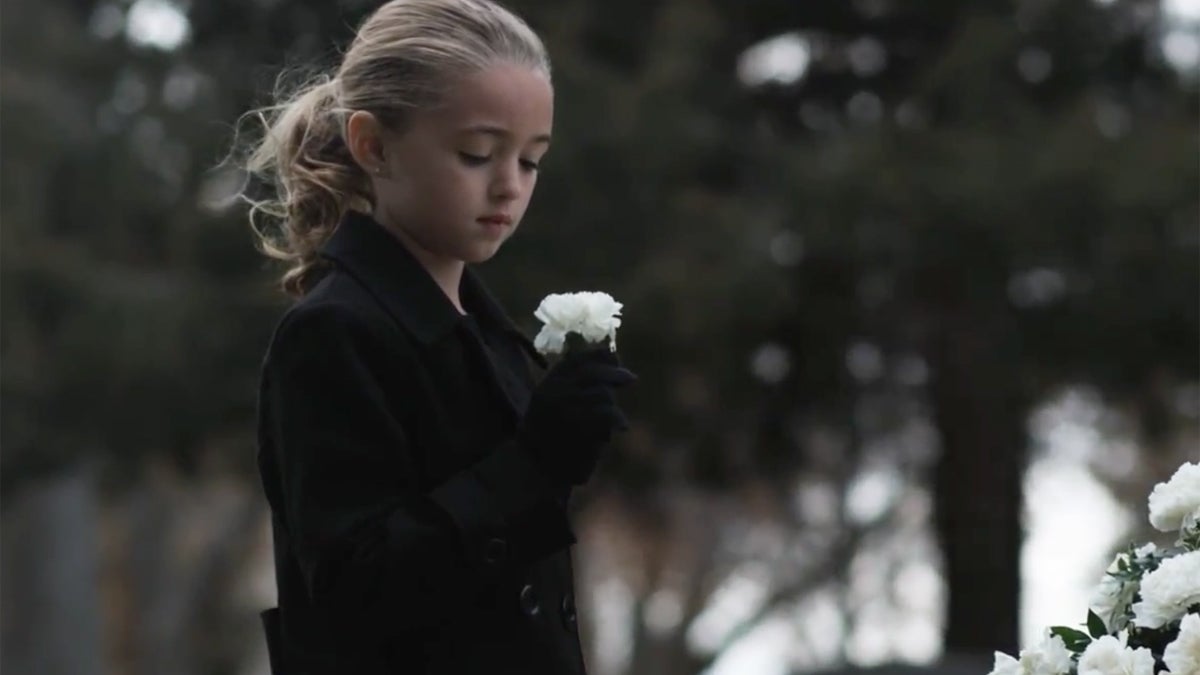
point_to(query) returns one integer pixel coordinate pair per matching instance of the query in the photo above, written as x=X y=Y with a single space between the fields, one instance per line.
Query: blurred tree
x=994 y=183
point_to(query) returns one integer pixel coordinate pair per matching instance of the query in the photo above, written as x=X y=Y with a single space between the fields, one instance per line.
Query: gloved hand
x=573 y=413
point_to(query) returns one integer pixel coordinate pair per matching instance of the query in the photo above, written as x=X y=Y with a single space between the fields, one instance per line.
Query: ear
x=364 y=138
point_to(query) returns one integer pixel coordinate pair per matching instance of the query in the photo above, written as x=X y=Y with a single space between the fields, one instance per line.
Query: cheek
x=428 y=186
x=392 y=194
x=527 y=193
x=450 y=180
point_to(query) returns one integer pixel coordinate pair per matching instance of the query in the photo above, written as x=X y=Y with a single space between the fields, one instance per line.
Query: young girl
x=417 y=477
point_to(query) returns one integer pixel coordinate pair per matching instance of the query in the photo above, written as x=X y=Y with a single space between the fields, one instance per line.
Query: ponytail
x=303 y=153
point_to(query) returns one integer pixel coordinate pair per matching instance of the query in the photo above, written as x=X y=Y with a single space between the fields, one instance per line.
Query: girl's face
x=457 y=181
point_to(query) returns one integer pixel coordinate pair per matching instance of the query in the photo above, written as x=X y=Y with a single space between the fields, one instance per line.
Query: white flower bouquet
x=1144 y=617
x=586 y=318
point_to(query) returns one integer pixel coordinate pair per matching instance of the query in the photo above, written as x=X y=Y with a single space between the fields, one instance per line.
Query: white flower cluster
x=1183 y=655
x=1169 y=591
x=1175 y=504
x=1147 y=598
x=1050 y=657
x=1110 y=655
x=592 y=315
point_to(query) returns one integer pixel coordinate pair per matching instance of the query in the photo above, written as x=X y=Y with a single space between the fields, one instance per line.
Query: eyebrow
x=501 y=132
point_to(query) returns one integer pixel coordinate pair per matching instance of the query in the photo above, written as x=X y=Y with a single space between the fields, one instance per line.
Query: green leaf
x=1075 y=640
x=1096 y=625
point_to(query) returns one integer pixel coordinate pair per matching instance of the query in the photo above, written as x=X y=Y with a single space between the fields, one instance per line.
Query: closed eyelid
x=503 y=135
x=488 y=156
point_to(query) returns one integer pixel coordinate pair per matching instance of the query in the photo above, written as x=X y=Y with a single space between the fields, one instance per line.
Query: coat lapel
x=507 y=352
x=385 y=267
x=500 y=374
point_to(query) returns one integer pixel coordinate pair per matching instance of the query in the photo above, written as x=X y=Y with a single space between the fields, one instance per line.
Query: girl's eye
x=473 y=160
x=479 y=160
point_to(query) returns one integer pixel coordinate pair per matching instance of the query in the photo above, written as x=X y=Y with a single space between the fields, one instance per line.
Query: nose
x=506 y=182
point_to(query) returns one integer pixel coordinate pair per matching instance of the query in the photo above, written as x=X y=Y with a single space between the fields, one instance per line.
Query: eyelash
x=476 y=160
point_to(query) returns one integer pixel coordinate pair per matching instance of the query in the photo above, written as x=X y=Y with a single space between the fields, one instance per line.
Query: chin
x=480 y=255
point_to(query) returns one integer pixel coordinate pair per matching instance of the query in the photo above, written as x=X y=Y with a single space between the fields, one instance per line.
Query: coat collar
x=385 y=266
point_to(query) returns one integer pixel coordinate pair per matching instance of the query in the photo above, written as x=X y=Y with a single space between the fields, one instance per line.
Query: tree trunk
x=978 y=486
x=49 y=581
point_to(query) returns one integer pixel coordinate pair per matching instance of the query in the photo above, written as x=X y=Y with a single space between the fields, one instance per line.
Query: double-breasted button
x=569 y=618
x=495 y=551
x=529 y=601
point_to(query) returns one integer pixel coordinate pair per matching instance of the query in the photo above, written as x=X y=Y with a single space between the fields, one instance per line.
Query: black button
x=495 y=551
x=529 y=601
x=570 y=620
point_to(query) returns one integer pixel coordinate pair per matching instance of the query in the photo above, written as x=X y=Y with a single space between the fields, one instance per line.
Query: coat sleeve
x=367 y=540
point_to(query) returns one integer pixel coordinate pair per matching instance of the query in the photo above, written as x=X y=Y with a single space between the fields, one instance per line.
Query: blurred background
x=913 y=289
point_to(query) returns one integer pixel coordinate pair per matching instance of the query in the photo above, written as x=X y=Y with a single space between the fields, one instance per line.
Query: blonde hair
x=404 y=57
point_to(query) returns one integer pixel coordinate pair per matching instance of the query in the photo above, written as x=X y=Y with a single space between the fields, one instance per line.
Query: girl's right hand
x=573 y=413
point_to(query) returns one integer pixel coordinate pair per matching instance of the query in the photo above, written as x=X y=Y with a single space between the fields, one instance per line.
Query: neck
x=446 y=272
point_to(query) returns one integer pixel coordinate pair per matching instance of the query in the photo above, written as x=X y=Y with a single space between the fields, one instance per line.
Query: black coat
x=411 y=534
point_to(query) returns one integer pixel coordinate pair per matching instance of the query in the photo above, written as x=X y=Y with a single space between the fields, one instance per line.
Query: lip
x=496 y=219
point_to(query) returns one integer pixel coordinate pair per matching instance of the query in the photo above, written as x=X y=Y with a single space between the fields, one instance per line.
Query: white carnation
x=1177 y=500
x=1110 y=655
x=1183 y=655
x=1006 y=665
x=1051 y=657
x=1169 y=591
x=592 y=315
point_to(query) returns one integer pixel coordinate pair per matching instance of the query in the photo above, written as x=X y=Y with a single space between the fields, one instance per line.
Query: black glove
x=573 y=413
